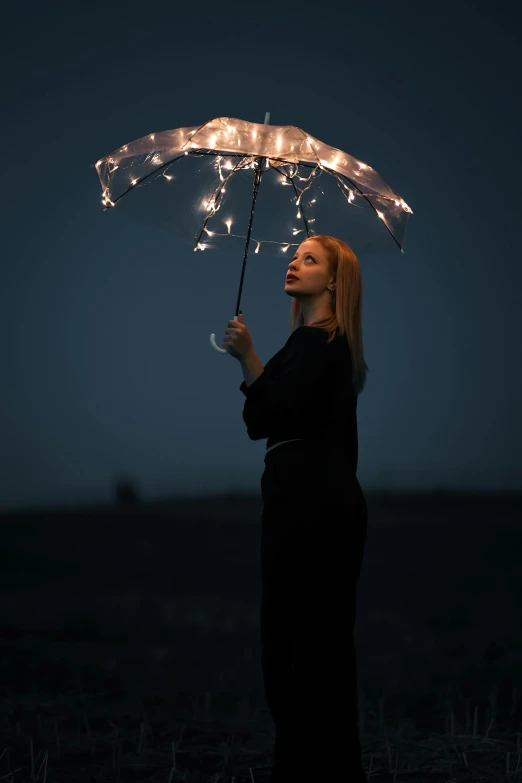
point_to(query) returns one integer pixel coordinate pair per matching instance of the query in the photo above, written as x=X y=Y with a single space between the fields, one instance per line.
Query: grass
x=59 y=725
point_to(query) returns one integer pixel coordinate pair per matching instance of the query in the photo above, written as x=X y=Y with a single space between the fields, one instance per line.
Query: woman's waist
x=332 y=444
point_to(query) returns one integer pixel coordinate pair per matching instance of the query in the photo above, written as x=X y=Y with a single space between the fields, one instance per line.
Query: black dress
x=314 y=525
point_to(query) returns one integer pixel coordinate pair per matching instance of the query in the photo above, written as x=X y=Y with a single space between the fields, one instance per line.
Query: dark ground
x=163 y=598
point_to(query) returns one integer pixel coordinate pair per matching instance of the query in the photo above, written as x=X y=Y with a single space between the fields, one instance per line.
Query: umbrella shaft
x=257 y=181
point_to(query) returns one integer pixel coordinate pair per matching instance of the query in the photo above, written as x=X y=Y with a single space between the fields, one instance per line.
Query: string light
x=249 y=161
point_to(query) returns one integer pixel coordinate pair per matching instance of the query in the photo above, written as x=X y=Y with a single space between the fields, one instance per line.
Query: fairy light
x=212 y=204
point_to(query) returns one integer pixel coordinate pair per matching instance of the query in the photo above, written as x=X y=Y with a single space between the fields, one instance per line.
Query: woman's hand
x=238 y=342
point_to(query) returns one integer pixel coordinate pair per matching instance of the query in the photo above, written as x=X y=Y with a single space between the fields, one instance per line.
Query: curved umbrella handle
x=215 y=346
x=213 y=340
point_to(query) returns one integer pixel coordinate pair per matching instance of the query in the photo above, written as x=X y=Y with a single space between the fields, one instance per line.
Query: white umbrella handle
x=213 y=336
x=214 y=344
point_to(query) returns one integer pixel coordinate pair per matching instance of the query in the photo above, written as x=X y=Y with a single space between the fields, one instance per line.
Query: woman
x=314 y=520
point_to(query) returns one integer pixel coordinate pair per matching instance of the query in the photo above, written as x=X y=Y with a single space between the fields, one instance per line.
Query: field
x=130 y=642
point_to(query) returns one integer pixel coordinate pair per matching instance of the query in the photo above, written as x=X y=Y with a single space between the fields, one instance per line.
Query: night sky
x=107 y=367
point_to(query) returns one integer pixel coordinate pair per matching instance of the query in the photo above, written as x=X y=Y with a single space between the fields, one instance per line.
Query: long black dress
x=314 y=525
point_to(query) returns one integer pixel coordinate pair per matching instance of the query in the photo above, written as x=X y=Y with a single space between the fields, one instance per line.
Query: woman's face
x=311 y=268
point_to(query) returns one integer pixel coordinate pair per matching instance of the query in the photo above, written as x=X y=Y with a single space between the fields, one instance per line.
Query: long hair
x=346 y=319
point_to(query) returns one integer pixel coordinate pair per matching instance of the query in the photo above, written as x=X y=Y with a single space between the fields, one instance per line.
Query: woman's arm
x=252 y=367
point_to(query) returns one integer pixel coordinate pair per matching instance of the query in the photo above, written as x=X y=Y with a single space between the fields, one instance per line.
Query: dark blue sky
x=106 y=362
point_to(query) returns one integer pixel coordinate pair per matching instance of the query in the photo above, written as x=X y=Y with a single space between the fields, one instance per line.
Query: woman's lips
x=290 y=279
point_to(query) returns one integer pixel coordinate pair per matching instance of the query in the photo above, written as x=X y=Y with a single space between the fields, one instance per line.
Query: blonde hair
x=346 y=319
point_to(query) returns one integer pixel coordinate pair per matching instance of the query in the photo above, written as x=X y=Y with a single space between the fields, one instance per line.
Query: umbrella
x=196 y=182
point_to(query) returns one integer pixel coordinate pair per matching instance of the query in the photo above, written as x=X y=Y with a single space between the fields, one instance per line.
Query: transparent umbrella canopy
x=201 y=184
